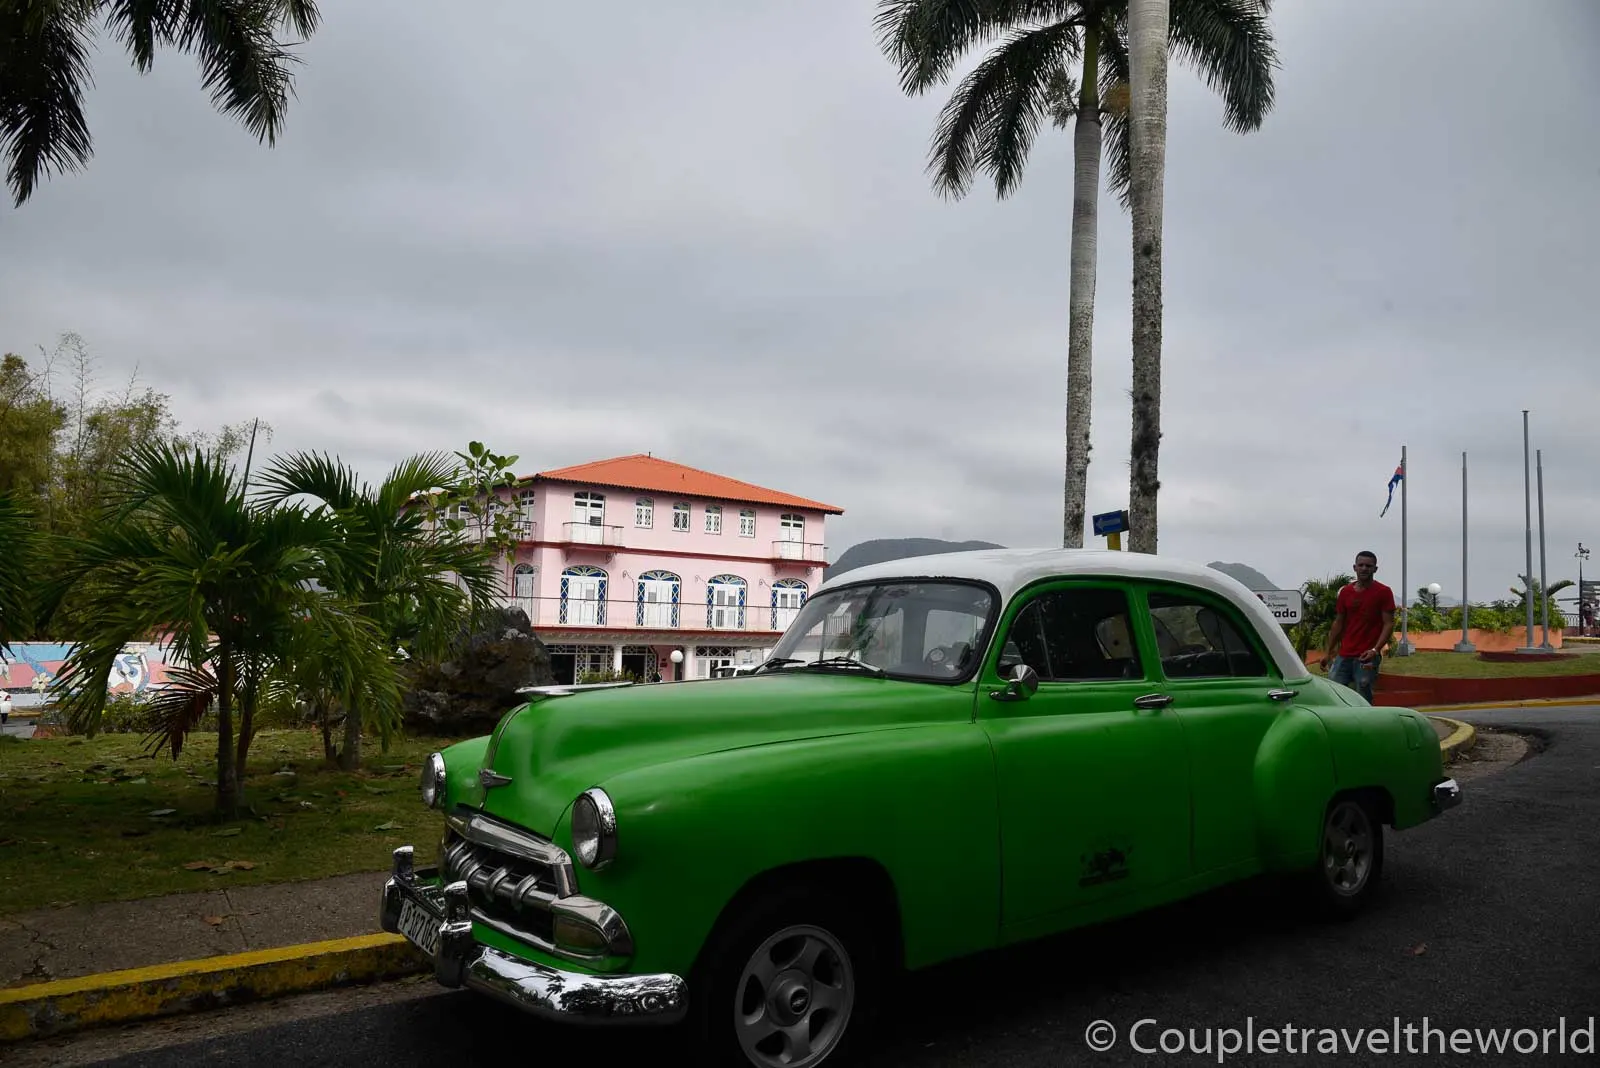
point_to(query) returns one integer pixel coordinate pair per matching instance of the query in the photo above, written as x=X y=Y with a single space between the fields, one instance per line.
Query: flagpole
x=1527 y=536
x=1544 y=589
x=1404 y=648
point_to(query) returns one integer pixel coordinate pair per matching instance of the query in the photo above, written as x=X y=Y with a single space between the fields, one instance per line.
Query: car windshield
x=915 y=629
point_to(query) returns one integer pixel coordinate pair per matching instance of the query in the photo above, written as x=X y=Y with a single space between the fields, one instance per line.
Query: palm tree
x=1068 y=61
x=1319 y=601
x=1197 y=28
x=44 y=66
x=180 y=550
x=415 y=582
x=1542 y=604
x=1147 y=150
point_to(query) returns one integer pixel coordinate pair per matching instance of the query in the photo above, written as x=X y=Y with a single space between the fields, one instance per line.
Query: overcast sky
x=705 y=230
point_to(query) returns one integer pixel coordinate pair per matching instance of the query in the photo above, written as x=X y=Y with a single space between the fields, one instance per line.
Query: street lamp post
x=1582 y=554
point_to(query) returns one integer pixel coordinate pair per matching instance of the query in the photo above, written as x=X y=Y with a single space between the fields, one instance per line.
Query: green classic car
x=943 y=755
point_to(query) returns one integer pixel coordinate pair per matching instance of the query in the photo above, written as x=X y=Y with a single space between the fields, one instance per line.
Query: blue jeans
x=1356 y=675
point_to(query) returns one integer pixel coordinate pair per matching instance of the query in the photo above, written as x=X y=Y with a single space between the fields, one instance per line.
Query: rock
x=477 y=683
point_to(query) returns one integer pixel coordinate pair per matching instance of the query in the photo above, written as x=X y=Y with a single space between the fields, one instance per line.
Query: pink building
x=625 y=562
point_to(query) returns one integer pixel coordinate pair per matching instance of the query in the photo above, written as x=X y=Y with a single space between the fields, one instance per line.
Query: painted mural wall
x=27 y=668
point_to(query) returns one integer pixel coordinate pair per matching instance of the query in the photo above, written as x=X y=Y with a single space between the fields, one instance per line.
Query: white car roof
x=1009 y=570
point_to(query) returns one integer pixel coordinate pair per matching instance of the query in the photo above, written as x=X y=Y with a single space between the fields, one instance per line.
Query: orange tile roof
x=654 y=475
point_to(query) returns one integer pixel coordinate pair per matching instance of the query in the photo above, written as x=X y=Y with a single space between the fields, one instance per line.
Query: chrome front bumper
x=1446 y=794
x=442 y=930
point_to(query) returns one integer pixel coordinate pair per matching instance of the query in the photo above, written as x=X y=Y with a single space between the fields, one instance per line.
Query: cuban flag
x=1394 y=480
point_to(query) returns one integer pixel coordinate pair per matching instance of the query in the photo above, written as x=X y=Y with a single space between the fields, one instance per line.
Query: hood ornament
x=490 y=779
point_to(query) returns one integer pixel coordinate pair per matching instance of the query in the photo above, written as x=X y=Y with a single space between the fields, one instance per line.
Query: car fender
x=1295 y=775
x=915 y=806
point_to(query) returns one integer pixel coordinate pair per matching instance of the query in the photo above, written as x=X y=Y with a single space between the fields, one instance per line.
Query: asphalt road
x=1490 y=921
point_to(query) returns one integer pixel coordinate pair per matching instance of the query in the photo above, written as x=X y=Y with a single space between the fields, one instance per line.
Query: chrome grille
x=513 y=877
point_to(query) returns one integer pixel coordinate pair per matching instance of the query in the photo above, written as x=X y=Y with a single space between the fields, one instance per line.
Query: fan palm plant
x=180 y=551
x=415 y=582
x=44 y=68
x=1066 y=61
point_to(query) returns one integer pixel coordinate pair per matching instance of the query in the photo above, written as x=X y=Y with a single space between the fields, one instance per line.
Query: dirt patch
x=1495 y=751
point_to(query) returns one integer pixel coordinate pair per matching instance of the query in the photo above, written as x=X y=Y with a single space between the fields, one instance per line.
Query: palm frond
x=1230 y=43
x=79 y=688
x=415 y=476
x=315 y=475
x=242 y=64
x=300 y=15
x=177 y=708
x=140 y=25
x=44 y=69
x=991 y=120
x=1116 y=76
x=1061 y=98
x=925 y=38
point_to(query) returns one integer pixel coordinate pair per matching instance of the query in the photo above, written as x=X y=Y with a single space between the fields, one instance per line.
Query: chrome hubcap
x=1347 y=848
x=794 y=997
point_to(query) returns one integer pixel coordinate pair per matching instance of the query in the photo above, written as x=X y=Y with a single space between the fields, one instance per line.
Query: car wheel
x=1350 y=860
x=792 y=982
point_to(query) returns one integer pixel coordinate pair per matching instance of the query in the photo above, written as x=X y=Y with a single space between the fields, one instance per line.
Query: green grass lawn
x=1580 y=660
x=86 y=820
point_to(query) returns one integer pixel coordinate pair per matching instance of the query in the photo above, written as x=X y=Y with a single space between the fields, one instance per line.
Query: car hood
x=554 y=748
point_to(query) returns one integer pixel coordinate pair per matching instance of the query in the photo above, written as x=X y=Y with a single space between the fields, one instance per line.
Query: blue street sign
x=1110 y=523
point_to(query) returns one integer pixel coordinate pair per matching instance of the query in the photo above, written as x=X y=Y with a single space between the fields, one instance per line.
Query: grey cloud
x=706 y=232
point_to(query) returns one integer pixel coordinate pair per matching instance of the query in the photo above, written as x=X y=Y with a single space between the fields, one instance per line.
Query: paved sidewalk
x=79 y=940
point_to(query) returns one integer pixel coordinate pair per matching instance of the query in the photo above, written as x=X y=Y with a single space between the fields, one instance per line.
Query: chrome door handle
x=1152 y=700
x=1282 y=695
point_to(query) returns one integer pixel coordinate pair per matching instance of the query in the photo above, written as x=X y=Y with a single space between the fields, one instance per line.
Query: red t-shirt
x=1363 y=611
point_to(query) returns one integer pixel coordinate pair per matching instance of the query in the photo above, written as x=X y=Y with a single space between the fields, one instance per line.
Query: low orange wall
x=1486 y=641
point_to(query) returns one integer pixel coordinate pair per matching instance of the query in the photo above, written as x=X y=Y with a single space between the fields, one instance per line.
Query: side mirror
x=1021 y=684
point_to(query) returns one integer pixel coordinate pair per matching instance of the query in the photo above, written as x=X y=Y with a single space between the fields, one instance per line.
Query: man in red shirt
x=1363 y=623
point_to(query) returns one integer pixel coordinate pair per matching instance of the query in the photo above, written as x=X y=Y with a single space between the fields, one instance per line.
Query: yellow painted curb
x=212 y=982
x=1462 y=737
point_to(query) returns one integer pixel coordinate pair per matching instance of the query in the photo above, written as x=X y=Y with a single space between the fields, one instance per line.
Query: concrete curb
x=66 y=1005
x=1462 y=737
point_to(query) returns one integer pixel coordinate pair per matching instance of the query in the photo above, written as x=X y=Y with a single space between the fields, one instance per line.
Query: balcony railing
x=591 y=534
x=474 y=530
x=810 y=551
x=618 y=614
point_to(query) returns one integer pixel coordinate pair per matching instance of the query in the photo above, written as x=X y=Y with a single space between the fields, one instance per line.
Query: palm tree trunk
x=350 y=757
x=1080 y=315
x=324 y=711
x=247 y=716
x=1148 y=22
x=227 y=777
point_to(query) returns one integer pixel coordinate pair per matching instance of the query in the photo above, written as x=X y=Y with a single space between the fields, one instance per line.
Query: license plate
x=420 y=926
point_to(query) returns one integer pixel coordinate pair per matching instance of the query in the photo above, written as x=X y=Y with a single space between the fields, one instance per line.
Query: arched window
x=583 y=595
x=522 y=580
x=787 y=597
x=659 y=594
x=725 y=602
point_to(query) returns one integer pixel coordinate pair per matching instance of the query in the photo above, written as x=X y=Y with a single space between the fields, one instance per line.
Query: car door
x=1227 y=695
x=1092 y=781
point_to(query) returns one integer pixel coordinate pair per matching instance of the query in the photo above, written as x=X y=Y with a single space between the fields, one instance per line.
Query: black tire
x=850 y=963
x=1349 y=859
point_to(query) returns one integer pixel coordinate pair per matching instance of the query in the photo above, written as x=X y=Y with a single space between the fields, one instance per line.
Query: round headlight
x=433 y=780
x=594 y=829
